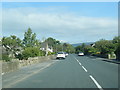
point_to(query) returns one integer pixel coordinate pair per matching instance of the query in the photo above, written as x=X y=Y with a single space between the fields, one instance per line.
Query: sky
x=60 y=0
x=72 y=22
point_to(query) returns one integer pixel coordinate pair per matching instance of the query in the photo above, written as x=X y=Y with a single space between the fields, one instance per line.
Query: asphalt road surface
x=72 y=72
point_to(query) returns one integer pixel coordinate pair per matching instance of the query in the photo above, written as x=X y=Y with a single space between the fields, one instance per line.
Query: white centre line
x=80 y=63
x=84 y=68
x=77 y=60
x=96 y=83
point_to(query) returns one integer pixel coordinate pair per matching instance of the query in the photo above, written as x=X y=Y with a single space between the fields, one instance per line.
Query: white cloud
x=64 y=26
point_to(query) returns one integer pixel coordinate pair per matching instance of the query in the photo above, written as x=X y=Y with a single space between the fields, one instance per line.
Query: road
x=73 y=72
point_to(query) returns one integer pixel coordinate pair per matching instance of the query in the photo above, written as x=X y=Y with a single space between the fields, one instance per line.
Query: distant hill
x=86 y=43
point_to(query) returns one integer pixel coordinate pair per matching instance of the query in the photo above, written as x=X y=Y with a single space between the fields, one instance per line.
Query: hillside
x=77 y=44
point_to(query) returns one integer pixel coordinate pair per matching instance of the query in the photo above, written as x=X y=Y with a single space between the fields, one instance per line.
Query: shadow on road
x=106 y=60
x=112 y=61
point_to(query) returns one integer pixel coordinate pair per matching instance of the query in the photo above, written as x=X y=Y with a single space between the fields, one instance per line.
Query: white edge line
x=96 y=83
x=84 y=68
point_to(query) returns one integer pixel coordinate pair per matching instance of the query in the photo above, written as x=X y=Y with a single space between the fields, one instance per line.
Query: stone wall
x=10 y=66
x=0 y=75
x=35 y=60
x=16 y=64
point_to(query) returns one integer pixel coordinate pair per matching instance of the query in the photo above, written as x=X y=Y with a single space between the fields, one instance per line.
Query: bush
x=51 y=53
x=29 y=52
x=42 y=53
x=117 y=52
x=90 y=50
x=6 y=58
x=105 y=46
x=32 y=52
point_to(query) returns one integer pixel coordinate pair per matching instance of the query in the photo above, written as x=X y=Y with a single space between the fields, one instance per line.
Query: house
x=45 y=47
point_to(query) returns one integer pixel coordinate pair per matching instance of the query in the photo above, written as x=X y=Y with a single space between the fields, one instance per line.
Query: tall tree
x=50 y=41
x=29 y=38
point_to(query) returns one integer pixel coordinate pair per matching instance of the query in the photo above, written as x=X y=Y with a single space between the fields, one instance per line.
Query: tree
x=50 y=41
x=29 y=38
x=116 y=39
x=117 y=51
x=11 y=43
x=89 y=50
x=116 y=42
x=58 y=47
x=80 y=48
x=68 y=48
x=83 y=47
x=55 y=44
x=37 y=43
x=105 y=46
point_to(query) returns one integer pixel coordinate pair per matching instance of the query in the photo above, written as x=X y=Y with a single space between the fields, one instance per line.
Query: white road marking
x=77 y=60
x=80 y=63
x=96 y=83
x=84 y=68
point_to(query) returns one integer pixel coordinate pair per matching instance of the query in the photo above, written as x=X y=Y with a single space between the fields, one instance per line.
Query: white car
x=66 y=54
x=60 y=55
x=80 y=54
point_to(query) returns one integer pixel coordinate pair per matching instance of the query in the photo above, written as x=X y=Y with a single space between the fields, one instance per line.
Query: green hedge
x=30 y=52
x=6 y=57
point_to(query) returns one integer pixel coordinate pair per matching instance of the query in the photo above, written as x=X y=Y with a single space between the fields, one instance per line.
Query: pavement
x=72 y=72
x=108 y=60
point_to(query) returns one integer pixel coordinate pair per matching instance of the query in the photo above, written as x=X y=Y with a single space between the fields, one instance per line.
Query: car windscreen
x=80 y=52
x=60 y=53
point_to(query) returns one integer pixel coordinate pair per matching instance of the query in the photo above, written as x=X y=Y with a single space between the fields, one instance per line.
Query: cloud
x=65 y=26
